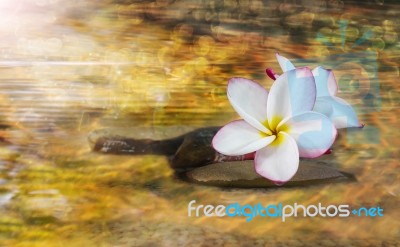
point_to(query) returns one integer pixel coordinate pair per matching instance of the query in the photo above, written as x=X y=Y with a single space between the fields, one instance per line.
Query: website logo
x=280 y=211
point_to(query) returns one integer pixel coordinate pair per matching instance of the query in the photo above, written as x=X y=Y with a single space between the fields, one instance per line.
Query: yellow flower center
x=275 y=129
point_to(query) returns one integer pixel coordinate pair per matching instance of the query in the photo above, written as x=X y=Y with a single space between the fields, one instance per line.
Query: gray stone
x=138 y=140
x=242 y=174
x=194 y=159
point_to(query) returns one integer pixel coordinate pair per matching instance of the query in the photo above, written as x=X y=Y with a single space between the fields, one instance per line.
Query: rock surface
x=187 y=148
x=242 y=174
x=138 y=140
x=195 y=150
x=194 y=159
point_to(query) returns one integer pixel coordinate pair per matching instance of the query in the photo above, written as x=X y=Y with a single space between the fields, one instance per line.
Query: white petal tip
x=276 y=182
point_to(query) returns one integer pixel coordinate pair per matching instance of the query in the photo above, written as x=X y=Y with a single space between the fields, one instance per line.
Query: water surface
x=71 y=67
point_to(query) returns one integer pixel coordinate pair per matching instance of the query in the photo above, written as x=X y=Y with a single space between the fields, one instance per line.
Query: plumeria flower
x=327 y=103
x=278 y=126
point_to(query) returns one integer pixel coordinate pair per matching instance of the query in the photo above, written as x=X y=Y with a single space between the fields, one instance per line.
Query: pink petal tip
x=278 y=183
x=270 y=73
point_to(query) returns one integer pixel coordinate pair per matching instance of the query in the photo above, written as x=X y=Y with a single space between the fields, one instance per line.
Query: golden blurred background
x=70 y=67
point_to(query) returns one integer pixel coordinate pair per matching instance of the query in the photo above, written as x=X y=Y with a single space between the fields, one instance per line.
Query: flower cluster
x=298 y=117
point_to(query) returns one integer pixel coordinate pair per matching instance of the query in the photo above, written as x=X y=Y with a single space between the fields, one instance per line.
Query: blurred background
x=71 y=67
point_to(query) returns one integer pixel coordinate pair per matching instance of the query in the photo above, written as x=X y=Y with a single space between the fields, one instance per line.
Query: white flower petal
x=249 y=99
x=323 y=106
x=325 y=82
x=314 y=133
x=278 y=161
x=238 y=138
x=285 y=64
x=341 y=113
x=292 y=93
